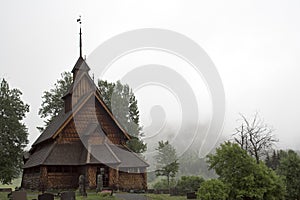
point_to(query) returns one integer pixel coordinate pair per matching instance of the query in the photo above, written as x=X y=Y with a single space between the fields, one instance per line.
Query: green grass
x=3 y=195
x=15 y=183
x=91 y=196
x=164 y=197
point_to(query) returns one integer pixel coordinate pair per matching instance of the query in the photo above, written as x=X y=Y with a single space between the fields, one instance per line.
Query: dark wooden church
x=84 y=139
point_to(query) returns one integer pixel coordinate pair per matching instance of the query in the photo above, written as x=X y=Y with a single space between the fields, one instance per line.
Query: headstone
x=99 y=183
x=151 y=191
x=70 y=195
x=81 y=184
x=46 y=196
x=19 y=195
x=191 y=195
x=174 y=192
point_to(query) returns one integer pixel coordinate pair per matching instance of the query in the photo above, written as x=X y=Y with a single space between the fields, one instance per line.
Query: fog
x=254 y=45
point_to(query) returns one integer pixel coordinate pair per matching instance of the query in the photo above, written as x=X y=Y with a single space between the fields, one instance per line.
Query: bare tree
x=255 y=136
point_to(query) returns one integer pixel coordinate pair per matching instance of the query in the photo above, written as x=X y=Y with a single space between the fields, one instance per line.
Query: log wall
x=62 y=180
x=130 y=181
x=91 y=176
x=30 y=180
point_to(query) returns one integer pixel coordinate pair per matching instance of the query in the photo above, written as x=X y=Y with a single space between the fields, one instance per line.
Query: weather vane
x=80 y=40
x=79 y=19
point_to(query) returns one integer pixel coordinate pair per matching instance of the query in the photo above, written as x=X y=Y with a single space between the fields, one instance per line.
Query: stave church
x=84 y=139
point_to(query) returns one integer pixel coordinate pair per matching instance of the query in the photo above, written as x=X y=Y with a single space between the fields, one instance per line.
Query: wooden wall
x=130 y=181
x=62 y=180
x=30 y=180
x=91 y=113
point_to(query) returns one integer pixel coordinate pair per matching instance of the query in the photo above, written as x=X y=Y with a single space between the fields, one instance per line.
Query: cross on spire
x=80 y=40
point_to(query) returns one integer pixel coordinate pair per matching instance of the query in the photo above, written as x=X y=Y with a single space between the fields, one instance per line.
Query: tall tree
x=246 y=179
x=13 y=132
x=167 y=161
x=255 y=136
x=52 y=102
x=289 y=167
x=120 y=99
x=273 y=161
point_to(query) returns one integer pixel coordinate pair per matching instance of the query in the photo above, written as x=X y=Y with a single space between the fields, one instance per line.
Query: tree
x=189 y=184
x=274 y=160
x=120 y=99
x=167 y=161
x=213 y=189
x=255 y=136
x=13 y=132
x=289 y=167
x=246 y=179
x=52 y=102
x=191 y=164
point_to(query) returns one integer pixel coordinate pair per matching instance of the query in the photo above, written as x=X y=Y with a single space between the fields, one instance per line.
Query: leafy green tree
x=246 y=179
x=213 y=189
x=189 y=184
x=13 y=132
x=120 y=99
x=52 y=102
x=167 y=161
x=289 y=167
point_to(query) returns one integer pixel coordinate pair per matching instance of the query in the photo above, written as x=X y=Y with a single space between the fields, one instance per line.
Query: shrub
x=213 y=189
x=189 y=184
x=163 y=184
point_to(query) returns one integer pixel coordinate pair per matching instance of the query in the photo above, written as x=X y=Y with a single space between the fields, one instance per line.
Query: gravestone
x=70 y=195
x=191 y=195
x=99 y=183
x=46 y=196
x=19 y=195
x=81 y=183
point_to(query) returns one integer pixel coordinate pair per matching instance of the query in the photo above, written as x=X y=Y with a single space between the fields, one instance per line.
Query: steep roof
x=81 y=65
x=58 y=121
x=128 y=158
x=46 y=151
x=67 y=154
x=39 y=156
x=76 y=154
x=63 y=116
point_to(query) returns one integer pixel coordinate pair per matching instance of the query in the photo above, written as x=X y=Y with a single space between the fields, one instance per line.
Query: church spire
x=80 y=40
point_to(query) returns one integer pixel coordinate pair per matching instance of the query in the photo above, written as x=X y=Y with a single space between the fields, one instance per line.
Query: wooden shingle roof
x=77 y=154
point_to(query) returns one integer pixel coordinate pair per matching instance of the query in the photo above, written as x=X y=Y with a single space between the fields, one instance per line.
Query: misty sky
x=255 y=46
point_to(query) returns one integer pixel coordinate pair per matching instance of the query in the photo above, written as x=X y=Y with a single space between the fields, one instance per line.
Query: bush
x=163 y=184
x=189 y=184
x=213 y=189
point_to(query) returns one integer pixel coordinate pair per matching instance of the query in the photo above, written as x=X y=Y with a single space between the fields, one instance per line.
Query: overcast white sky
x=255 y=46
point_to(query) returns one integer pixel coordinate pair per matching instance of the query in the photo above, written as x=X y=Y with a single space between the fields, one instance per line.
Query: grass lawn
x=91 y=196
x=164 y=197
x=15 y=183
x=94 y=196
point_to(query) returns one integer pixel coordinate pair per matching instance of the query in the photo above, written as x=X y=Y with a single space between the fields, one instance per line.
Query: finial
x=80 y=40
